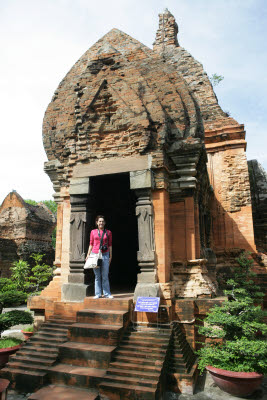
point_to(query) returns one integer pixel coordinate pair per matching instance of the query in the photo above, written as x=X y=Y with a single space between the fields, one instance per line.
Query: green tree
x=41 y=273
x=216 y=79
x=20 y=273
x=236 y=329
x=52 y=205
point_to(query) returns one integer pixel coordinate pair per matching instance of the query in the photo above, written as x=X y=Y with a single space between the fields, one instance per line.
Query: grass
x=28 y=329
x=9 y=342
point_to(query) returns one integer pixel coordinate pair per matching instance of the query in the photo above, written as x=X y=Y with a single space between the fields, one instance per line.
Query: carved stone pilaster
x=78 y=238
x=144 y=213
x=80 y=219
x=146 y=254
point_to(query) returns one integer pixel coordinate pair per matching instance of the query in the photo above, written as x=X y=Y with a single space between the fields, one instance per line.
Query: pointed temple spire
x=167 y=32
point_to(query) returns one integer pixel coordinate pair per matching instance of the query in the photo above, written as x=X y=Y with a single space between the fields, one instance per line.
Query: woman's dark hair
x=98 y=217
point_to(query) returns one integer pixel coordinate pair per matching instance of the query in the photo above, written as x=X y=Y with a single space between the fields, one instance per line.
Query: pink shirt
x=95 y=240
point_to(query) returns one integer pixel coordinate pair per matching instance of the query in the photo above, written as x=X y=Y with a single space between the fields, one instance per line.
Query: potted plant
x=7 y=320
x=234 y=353
x=27 y=332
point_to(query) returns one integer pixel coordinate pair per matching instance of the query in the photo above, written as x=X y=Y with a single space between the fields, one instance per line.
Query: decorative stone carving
x=78 y=237
x=51 y=168
x=144 y=213
x=80 y=218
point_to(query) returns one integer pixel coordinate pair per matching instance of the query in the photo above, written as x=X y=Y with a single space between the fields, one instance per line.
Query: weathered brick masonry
x=24 y=229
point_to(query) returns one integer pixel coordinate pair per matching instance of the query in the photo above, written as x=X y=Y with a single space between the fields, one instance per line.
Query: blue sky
x=40 y=40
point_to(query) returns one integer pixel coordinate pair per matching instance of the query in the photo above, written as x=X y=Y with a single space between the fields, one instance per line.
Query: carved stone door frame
x=81 y=214
x=142 y=183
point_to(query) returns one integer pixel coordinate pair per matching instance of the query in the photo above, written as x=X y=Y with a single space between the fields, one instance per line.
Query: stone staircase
x=83 y=360
x=101 y=353
x=136 y=368
x=27 y=369
x=182 y=362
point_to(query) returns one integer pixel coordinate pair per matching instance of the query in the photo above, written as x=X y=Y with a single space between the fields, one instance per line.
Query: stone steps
x=53 y=324
x=56 y=392
x=28 y=368
x=135 y=342
x=23 y=366
x=22 y=379
x=136 y=380
x=120 y=391
x=142 y=355
x=85 y=354
x=73 y=375
x=135 y=372
x=83 y=360
x=97 y=334
x=103 y=317
x=29 y=359
x=136 y=360
x=56 y=329
x=44 y=338
x=151 y=349
x=181 y=358
x=108 y=304
x=41 y=345
x=133 y=366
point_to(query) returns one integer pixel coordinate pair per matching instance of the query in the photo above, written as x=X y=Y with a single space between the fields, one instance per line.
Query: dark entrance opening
x=113 y=198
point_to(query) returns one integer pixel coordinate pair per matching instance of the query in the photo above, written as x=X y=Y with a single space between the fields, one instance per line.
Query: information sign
x=147 y=304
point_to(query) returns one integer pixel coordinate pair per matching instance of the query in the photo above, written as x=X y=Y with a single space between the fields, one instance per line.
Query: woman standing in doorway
x=101 y=274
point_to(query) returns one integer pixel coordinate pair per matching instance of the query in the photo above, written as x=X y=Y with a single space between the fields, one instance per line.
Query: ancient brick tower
x=24 y=229
x=137 y=135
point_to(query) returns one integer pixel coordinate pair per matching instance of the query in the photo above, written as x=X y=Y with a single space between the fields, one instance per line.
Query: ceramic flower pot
x=235 y=383
x=27 y=335
x=4 y=383
x=5 y=353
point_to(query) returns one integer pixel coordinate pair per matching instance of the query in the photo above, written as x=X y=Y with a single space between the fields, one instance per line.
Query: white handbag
x=92 y=260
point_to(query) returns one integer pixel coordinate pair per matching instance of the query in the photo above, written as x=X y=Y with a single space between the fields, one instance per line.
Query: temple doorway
x=113 y=198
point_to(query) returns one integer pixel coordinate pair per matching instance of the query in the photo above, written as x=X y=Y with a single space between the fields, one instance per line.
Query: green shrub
x=4 y=282
x=11 y=287
x=20 y=273
x=233 y=328
x=14 y=317
x=41 y=273
x=9 y=342
x=13 y=298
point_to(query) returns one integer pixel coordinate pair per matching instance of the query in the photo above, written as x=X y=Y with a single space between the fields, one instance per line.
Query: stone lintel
x=79 y=186
x=112 y=166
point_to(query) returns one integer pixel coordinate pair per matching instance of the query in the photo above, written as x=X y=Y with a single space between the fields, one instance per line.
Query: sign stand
x=149 y=305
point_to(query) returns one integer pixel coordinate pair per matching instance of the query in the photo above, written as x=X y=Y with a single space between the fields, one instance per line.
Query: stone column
x=78 y=220
x=81 y=214
x=141 y=182
x=145 y=219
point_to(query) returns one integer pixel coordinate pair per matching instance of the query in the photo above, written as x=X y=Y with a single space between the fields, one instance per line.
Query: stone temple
x=138 y=135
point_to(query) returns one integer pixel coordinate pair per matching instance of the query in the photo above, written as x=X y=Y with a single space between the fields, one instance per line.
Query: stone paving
x=205 y=390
